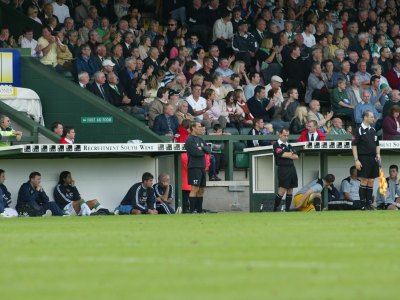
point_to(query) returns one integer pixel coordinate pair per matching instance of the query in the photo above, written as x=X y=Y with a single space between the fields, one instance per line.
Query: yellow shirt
x=51 y=57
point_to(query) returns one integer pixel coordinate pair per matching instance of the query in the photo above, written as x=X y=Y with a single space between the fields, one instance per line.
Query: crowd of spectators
x=228 y=62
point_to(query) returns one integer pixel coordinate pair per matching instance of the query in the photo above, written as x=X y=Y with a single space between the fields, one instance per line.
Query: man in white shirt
x=309 y=38
x=197 y=103
x=60 y=10
x=223 y=31
x=28 y=41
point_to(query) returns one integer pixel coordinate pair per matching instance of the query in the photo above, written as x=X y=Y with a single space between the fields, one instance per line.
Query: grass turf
x=330 y=255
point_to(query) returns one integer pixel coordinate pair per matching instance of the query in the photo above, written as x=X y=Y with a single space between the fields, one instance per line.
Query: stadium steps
x=67 y=102
x=32 y=132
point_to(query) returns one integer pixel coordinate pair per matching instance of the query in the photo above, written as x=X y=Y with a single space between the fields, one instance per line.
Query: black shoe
x=101 y=212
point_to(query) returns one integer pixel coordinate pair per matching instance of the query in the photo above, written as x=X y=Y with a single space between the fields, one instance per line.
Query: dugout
x=101 y=171
x=316 y=159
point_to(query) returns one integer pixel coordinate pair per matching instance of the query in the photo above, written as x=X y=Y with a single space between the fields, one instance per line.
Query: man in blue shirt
x=140 y=198
x=363 y=106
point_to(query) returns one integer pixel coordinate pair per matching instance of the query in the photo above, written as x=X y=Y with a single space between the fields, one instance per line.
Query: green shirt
x=4 y=142
x=337 y=96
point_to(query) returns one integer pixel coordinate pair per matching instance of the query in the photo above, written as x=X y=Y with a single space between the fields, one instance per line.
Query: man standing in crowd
x=164 y=193
x=308 y=198
x=196 y=149
x=32 y=199
x=69 y=200
x=285 y=154
x=140 y=198
x=366 y=152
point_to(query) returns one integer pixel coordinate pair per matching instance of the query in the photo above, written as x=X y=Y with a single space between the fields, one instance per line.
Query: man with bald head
x=393 y=100
x=363 y=106
x=314 y=114
x=164 y=193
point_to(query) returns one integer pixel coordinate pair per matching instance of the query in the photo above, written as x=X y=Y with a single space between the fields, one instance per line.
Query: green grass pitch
x=329 y=255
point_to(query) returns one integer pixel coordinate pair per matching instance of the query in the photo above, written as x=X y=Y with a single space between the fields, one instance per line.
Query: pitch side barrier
x=316 y=159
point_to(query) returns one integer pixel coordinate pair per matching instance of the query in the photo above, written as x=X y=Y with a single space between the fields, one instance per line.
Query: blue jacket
x=360 y=108
x=28 y=195
x=64 y=195
x=89 y=66
x=161 y=124
x=140 y=197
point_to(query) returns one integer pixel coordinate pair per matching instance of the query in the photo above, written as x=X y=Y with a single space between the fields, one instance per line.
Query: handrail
x=33 y=127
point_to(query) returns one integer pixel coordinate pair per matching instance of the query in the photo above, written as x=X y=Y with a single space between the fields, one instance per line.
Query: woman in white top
x=144 y=46
x=198 y=57
x=232 y=111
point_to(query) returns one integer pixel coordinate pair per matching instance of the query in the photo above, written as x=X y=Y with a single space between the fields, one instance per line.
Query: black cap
x=173 y=92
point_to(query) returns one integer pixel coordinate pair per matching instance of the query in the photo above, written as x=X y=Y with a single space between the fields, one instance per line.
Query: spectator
x=121 y=8
x=299 y=121
x=269 y=59
x=166 y=124
x=60 y=10
x=224 y=70
x=217 y=85
x=214 y=115
x=164 y=193
x=354 y=91
x=57 y=128
x=48 y=44
x=363 y=106
x=32 y=199
x=391 y=125
x=156 y=107
x=83 y=79
x=7 y=131
x=81 y=11
x=311 y=133
x=233 y=113
x=33 y=13
x=314 y=114
x=345 y=72
x=259 y=106
x=393 y=100
x=170 y=76
x=337 y=127
x=98 y=86
x=74 y=43
x=294 y=71
x=152 y=59
x=183 y=131
x=384 y=60
x=182 y=112
x=377 y=70
x=317 y=85
x=198 y=104
x=378 y=98
x=393 y=76
x=128 y=75
x=223 y=31
x=119 y=98
x=140 y=198
x=241 y=102
x=362 y=73
x=27 y=41
x=275 y=86
x=256 y=131
x=244 y=45
x=47 y=13
x=64 y=56
x=331 y=75
x=308 y=36
x=290 y=105
x=68 y=136
x=105 y=8
x=85 y=62
x=340 y=101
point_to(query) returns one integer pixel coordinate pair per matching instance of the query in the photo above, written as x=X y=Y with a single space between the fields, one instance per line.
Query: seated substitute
x=69 y=200
x=391 y=201
x=349 y=193
x=308 y=198
x=165 y=195
x=140 y=198
x=5 y=199
x=32 y=200
x=7 y=131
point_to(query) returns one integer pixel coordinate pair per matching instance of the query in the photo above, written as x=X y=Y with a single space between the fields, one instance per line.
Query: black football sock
x=199 y=204
x=368 y=198
x=278 y=200
x=363 y=194
x=288 y=201
x=192 y=204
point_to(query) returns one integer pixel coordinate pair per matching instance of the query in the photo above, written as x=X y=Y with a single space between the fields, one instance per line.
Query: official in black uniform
x=196 y=149
x=366 y=152
x=287 y=176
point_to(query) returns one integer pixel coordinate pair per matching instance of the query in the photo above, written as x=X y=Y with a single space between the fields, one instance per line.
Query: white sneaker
x=85 y=210
x=4 y=215
x=179 y=210
x=48 y=213
x=116 y=212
